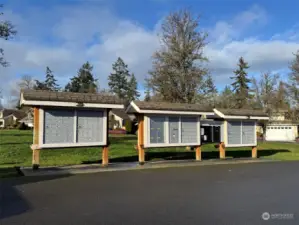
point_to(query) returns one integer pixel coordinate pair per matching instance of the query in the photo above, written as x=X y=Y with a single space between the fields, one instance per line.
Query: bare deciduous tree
x=264 y=90
x=1 y=97
x=226 y=99
x=177 y=67
x=293 y=85
x=26 y=82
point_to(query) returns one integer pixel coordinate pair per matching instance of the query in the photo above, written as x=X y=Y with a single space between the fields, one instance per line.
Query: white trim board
x=71 y=104
x=161 y=112
x=220 y=114
x=240 y=145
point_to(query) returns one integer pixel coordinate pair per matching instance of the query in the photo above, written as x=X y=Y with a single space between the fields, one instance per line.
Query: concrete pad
x=97 y=168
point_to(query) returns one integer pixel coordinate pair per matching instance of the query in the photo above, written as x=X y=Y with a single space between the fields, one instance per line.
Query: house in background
x=119 y=119
x=28 y=119
x=281 y=128
x=10 y=117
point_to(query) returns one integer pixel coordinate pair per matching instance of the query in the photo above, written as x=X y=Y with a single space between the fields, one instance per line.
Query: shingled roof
x=38 y=95
x=17 y=113
x=242 y=112
x=168 y=106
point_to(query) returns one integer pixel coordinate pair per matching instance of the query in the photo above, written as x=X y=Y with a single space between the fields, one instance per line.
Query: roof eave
x=70 y=104
x=175 y=112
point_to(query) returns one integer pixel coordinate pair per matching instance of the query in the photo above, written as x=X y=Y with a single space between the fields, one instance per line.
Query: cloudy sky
x=63 y=34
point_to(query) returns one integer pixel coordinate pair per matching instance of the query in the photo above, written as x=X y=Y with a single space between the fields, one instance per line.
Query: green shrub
x=22 y=126
x=128 y=125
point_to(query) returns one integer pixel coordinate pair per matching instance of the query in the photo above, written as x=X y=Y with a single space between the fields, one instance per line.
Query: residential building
x=10 y=117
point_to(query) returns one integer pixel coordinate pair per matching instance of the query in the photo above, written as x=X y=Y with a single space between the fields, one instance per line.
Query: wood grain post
x=222 y=150
x=35 y=145
x=105 y=151
x=105 y=156
x=254 y=152
x=140 y=145
x=198 y=153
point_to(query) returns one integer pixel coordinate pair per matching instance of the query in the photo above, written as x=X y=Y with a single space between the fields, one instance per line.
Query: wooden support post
x=105 y=151
x=254 y=152
x=140 y=145
x=35 y=146
x=198 y=153
x=35 y=159
x=105 y=156
x=222 y=150
x=141 y=155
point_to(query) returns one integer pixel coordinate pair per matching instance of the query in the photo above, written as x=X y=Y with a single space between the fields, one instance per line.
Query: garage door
x=280 y=133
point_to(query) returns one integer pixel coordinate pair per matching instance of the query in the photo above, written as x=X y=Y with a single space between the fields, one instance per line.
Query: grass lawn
x=15 y=151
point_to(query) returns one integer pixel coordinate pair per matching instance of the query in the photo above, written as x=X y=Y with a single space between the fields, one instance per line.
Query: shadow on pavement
x=12 y=202
x=187 y=155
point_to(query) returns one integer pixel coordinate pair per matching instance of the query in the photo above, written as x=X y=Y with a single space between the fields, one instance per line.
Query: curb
x=96 y=168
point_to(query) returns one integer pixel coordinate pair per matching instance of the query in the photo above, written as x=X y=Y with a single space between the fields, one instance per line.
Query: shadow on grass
x=15 y=135
x=122 y=139
x=13 y=202
x=189 y=155
x=16 y=143
x=150 y=156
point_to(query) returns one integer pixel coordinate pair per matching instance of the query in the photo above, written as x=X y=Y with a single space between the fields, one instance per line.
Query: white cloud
x=226 y=31
x=79 y=33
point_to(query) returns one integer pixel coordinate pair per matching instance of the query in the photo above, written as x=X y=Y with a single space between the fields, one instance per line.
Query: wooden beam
x=35 y=146
x=198 y=153
x=254 y=152
x=222 y=150
x=141 y=154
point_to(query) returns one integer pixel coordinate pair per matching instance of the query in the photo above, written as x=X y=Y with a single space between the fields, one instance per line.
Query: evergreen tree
x=147 y=96
x=132 y=92
x=40 y=85
x=84 y=82
x=49 y=84
x=118 y=80
x=240 y=86
x=7 y=31
x=210 y=91
x=50 y=81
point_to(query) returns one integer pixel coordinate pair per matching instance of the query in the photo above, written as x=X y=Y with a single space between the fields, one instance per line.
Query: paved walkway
x=96 y=168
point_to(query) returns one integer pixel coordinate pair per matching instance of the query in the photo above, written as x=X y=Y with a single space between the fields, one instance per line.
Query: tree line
x=121 y=81
x=180 y=74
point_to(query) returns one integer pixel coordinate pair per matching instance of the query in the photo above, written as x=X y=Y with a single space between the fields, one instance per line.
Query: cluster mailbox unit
x=65 y=119
x=163 y=124
x=167 y=125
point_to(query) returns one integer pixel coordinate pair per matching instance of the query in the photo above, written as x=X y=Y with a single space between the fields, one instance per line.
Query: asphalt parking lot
x=219 y=194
